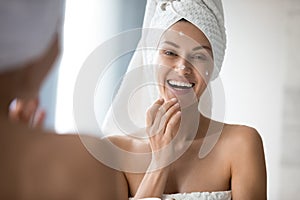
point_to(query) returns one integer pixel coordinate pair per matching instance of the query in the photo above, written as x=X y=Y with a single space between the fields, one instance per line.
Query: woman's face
x=184 y=61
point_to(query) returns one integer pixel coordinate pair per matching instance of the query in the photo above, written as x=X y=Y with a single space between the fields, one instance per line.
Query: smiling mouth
x=180 y=84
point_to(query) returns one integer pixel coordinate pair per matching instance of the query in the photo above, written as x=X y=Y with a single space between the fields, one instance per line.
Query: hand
x=27 y=112
x=162 y=122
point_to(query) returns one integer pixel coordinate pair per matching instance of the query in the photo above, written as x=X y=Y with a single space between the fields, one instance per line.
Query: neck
x=203 y=127
x=193 y=124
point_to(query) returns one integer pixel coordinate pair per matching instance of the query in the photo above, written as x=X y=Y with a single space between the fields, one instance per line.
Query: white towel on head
x=207 y=15
x=27 y=28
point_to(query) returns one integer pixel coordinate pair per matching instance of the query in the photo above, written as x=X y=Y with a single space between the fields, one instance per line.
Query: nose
x=183 y=68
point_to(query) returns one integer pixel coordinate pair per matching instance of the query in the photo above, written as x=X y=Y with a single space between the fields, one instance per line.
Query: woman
x=188 y=155
x=36 y=164
x=189 y=54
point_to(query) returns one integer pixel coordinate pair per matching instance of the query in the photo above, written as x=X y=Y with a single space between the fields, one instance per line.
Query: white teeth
x=181 y=84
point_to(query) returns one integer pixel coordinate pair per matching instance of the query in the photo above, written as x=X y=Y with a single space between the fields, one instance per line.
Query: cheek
x=203 y=73
x=201 y=88
x=202 y=82
x=161 y=70
x=160 y=76
x=161 y=73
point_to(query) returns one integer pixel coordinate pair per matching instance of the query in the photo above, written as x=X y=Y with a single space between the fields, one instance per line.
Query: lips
x=176 y=84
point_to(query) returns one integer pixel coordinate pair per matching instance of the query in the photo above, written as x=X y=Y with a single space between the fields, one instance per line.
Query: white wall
x=88 y=23
x=290 y=159
x=254 y=73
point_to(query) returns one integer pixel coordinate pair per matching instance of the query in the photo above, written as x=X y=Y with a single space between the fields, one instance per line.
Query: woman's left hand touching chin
x=162 y=120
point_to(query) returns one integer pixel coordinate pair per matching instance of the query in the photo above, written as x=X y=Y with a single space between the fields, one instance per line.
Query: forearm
x=153 y=184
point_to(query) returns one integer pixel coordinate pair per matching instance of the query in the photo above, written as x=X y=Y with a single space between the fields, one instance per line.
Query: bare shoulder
x=244 y=147
x=247 y=162
x=237 y=141
x=65 y=162
x=122 y=141
x=136 y=158
x=240 y=136
x=130 y=143
x=55 y=166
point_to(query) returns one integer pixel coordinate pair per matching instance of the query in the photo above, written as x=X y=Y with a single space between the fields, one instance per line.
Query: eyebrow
x=171 y=43
x=194 y=49
x=201 y=47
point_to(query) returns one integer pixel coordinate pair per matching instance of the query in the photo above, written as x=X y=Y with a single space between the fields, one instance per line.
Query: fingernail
x=160 y=100
x=174 y=99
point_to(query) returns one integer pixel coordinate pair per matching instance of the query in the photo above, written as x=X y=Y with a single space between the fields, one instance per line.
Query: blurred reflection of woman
x=37 y=164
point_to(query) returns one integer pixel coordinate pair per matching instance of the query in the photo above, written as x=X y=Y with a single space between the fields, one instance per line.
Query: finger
x=166 y=117
x=40 y=119
x=30 y=108
x=159 y=122
x=167 y=105
x=160 y=140
x=22 y=111
x=172 y=125
x=163 y=110
x=16 y=110
x=13 y=110
x=30 y=111
x=151 y=112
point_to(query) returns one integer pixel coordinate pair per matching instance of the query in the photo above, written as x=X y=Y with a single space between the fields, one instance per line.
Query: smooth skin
x=237 y=160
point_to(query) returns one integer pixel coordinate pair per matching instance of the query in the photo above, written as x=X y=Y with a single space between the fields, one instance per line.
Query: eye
x=199 y=57
x=169 y=53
